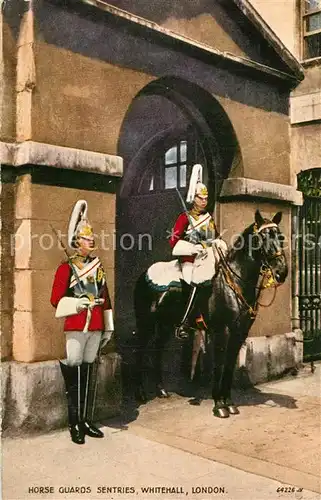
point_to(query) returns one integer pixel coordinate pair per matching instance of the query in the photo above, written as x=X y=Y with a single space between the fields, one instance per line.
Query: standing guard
x=193 y=233
x=80 y=294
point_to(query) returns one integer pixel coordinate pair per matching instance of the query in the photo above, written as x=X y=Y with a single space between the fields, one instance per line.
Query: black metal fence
x=309 y=247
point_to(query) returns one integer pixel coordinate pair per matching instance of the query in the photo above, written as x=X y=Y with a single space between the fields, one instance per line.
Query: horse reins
x=235 y=287
x=265 y=271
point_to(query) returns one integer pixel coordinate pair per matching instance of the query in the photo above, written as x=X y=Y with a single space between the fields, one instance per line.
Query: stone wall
x=264 y=139
x=37 y=335
x=86 y=105
x=7 y=264
x=33 y=395
x=8 y=83
x=240 y=214
x=306 y=122
x=75 y=92
x=87 y=112
x=283 y=17
x=203 y=21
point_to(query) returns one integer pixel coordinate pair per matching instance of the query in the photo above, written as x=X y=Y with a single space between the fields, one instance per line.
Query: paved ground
x=270 y=451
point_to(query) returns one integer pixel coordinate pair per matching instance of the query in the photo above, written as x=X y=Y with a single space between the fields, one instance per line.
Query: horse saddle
x=164 y=275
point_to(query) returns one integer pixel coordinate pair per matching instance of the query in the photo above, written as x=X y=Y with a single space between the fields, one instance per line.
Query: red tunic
x=77 y=322
x=178 y=233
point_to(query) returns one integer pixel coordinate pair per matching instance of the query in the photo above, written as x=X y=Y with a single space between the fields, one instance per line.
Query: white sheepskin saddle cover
x=164 y=275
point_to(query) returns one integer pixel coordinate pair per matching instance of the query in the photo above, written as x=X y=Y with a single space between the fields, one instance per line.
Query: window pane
x=314 y=22
x=171 y=156
x=313 y=46
x=183 y=150
x=182 y=176
x=151 y=186
x=312 y=4
x=170 y=177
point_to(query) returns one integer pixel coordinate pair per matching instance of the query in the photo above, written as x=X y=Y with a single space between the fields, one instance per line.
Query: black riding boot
x=71 y=375
x=189 y=293
x=87 y=395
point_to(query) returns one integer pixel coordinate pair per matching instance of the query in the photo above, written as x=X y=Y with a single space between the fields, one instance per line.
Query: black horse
x=229 y=307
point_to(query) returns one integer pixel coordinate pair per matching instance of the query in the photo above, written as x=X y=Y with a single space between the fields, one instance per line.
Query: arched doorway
x=170 y=125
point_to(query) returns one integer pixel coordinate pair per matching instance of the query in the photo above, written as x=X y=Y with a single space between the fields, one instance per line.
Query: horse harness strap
x=237 y=290
x=265 y=272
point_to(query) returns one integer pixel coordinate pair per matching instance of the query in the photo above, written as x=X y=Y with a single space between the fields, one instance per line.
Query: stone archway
x=169 y=120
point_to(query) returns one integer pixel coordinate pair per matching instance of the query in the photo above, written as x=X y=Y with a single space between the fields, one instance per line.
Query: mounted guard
x=194 y=241
x=80 y=294
x=196 y=245
x=256 y=261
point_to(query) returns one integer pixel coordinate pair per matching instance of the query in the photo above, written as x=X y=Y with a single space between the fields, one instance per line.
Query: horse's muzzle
x=281 y=270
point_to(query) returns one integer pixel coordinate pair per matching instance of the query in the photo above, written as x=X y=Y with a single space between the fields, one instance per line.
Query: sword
x=79 y=283
x=74 y=272
x=97 y=362
x=190 y=220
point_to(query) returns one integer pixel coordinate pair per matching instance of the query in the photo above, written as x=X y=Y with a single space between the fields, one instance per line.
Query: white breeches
x=187 y=271
x=82 y=347
x=204 y=266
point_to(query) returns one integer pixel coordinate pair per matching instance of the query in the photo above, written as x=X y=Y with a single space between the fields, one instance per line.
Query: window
x=175 y=166
x=175 y=169
x=312 y=29
x=169 y=164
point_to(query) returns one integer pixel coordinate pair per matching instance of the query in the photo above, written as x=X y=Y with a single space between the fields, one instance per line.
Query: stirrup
x=182 y=331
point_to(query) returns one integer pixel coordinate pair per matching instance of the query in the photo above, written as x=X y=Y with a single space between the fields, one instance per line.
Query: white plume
x=197 y=173
x=79 y=212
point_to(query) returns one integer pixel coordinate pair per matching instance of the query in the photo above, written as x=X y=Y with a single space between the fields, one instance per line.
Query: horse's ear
x=277 y=218
x=258 y=218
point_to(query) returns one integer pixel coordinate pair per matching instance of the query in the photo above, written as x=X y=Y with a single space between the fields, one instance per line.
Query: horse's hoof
x=195 y=401
x=233 y=409
x=162 y=393
x=221 y=412
x=141 y=396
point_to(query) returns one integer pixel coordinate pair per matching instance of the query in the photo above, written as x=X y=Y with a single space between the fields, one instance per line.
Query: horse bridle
x=267 y=259
x=266 y=272
x=266 y=268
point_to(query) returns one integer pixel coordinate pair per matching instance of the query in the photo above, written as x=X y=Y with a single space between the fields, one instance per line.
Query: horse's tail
x=143 y=298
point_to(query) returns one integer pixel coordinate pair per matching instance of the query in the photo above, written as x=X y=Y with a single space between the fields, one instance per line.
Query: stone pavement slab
x=170 y=449
x=276 y=435
x=123 y=466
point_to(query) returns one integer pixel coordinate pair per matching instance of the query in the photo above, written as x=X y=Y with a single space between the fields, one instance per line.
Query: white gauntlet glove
x=200 y=250
x=68 y=306
x=85 y=303
x=82 y=303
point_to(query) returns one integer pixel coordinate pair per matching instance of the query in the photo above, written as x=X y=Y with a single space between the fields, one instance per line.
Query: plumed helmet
x=196 y=187
x=79 y=226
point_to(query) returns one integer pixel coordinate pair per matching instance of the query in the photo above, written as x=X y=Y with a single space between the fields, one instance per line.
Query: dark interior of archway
x=164 y=113
x=179 y=104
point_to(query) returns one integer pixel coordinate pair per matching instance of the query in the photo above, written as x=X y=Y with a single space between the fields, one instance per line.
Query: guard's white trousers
x=204 y=266
x=82 y=347
x=187 y=271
